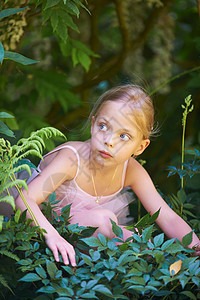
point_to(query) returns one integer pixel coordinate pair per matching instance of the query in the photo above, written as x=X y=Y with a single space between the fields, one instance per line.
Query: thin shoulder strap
x=65 y=146
x=124 y=172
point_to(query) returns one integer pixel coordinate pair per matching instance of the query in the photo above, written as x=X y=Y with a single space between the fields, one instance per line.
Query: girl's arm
x=53 y=175
x=172 y=224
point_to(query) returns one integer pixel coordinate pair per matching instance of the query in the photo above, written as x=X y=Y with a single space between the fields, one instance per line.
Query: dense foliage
x=57 y=56
x=142 y=267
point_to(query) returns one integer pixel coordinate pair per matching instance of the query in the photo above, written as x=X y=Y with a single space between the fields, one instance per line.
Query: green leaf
x=30 y=277
x=92 y=241
x=116 y=229
x=102 y=239
x=1 y=53
x=174 y=248
x=84 y=59
x=10 y=11
x=62 y=31
x=102 y=289
x=74 y=57
x=189 y=294
x=41 y=272
x=158 y=240
x=51 y=3
x=80 y=46
x=47 y=290
x=51 y=269
x=5 y=130
x=87 y=260
x=4 y=283
x=109 y=274
x=146 y=234
x=153 y=218
x=73 y=8
x=82 y=5
x=54 y=19
x=5 y=115
x=187 y=239
x=67 y=19
x=19 y=58
x=46 y=14
x=17 y=215
x=167 y=244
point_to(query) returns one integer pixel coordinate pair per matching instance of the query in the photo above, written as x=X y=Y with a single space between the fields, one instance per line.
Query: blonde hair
x=141 y=105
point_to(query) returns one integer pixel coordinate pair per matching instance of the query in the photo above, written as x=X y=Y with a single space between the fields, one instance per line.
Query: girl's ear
x=144 y=144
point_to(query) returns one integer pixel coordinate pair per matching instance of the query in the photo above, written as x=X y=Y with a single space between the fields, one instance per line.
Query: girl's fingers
x=67 y=252
x=71 y=254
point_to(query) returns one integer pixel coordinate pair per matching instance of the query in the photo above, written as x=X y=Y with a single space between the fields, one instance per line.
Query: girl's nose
x=108 y=141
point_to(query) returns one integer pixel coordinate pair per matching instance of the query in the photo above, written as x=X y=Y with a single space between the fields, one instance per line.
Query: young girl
x=90 y=174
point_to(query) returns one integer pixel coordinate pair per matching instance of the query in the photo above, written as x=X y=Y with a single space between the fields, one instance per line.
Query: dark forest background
x=83 y=49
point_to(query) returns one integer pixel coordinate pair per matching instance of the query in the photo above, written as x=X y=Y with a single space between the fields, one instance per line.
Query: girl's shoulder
x=69 y=151
x=134 y=172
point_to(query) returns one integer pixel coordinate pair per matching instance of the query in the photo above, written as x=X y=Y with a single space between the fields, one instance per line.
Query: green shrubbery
x=136 y=269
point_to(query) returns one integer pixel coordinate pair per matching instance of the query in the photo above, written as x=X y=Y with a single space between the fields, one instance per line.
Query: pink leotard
x=70 y=193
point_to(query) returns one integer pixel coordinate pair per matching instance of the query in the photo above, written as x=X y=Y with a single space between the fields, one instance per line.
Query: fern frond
x=29 y=152
x=10 y=184
x=37 y=139
x=20 y=168
x=4 y=283
x=8 y=199
x=48 y=132
x=9 y=254
x=27 y=146
x=39 y=142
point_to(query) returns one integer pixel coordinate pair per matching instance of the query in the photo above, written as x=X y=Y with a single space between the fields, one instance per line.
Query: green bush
x=138 y=268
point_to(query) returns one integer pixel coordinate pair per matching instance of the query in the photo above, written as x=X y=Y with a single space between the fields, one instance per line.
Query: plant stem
x=26 y=203
x=139 y=210
x=187 y=110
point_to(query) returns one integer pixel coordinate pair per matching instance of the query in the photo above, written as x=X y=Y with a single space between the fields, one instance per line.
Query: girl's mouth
x=105 y=154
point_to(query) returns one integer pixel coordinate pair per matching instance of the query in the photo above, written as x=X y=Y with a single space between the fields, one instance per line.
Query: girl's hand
x=58 y=244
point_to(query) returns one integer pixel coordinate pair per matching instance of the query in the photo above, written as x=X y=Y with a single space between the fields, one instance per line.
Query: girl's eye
x=103 y=127
x=124 y=137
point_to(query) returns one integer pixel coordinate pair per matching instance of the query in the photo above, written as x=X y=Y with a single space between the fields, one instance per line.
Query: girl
x=90 y=174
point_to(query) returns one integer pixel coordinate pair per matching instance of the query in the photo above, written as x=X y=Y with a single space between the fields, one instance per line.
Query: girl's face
x=114 y=135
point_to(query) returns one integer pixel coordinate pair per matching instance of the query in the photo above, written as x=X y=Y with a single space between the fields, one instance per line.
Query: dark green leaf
x=116 y=229
x=10 y=11
x=189 y=294
x=158 y=240
x=187 y=239
x=30 y=277
x=41 y=272
x=51 y=268
x=102 y=289
x=5 y=115
x=109 y=274
x=73 y=7
x=51 y=3
x=5 y=130
x=19 y=58
x=92 y=241
x=1 y=53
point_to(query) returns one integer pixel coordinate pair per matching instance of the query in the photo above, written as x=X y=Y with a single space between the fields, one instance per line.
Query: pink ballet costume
x=70 y=193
